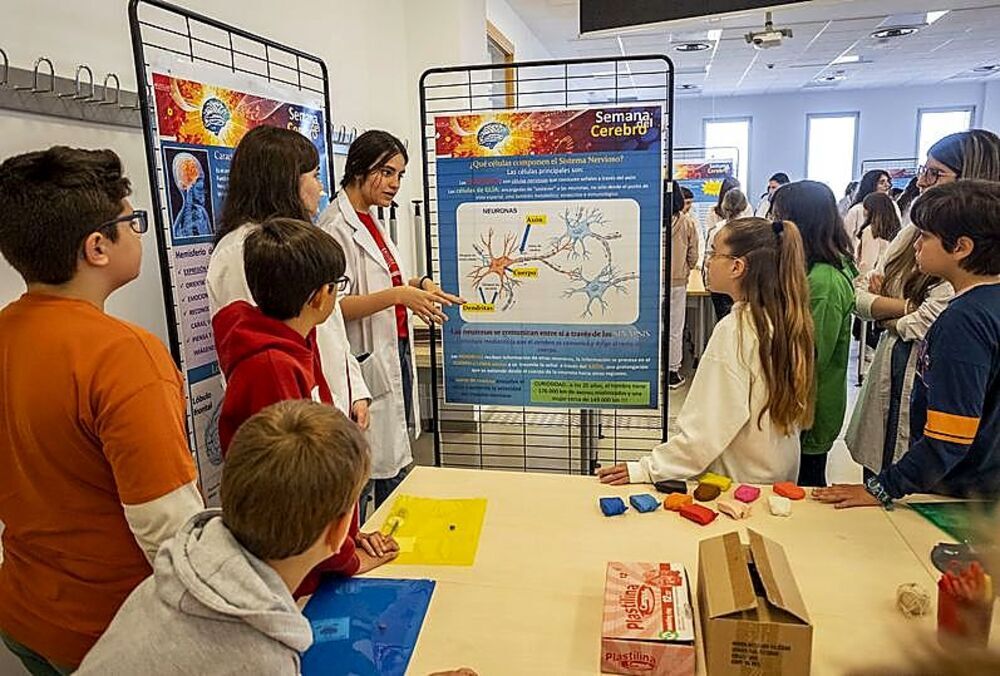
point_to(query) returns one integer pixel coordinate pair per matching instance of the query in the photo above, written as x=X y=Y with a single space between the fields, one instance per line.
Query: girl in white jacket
x=275 y=172
x=754 y=385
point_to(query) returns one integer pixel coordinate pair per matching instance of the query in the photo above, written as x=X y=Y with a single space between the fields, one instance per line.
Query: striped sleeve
x=947 y=404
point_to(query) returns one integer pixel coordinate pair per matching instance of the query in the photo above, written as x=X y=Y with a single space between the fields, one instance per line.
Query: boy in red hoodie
x=268 y=353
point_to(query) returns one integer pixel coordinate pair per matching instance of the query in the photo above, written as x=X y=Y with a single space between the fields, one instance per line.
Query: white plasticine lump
x=780 y=506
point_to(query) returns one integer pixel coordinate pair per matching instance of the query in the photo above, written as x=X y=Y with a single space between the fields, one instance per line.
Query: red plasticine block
x=700 y=515
x=789 y=490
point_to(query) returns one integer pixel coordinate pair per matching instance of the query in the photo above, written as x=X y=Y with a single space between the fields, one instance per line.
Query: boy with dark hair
x=955 y=406
x=268 y=353
x=95 y=469
x=220 y=600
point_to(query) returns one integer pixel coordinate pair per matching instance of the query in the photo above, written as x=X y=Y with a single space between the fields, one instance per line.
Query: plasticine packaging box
x=648 y=621
x=753 y=619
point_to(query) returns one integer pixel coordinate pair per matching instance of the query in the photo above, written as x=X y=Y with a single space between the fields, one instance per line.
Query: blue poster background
x=588 y=362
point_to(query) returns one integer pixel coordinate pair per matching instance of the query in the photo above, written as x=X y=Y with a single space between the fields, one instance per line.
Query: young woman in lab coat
x=275 y=172
x=379 y=302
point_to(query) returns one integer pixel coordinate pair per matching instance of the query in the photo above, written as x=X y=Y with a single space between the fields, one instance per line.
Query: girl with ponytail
x=754 y=388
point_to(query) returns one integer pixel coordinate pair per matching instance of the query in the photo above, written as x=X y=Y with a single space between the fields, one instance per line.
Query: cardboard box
x=648 y=620
x=753 y=619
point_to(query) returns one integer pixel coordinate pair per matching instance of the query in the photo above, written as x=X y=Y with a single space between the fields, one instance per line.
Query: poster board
x=550 y=225
x=195 y=113
x=901 y=169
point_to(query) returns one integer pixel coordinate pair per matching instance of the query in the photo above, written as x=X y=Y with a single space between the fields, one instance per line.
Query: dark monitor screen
x=598 y=15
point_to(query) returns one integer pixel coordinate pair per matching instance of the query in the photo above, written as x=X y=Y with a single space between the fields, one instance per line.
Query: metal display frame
x=530 y=438
x=162 y=29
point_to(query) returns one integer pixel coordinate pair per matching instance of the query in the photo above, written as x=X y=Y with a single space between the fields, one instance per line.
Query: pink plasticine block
x=746 y=493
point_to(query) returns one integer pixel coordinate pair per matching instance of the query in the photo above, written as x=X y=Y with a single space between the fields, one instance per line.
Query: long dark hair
x=727 y=184
x=869 y=182
x=905 y=201
x=264 y=178
x=370 y=152
x=813 y=208
x=777 y=297
x=882 y=217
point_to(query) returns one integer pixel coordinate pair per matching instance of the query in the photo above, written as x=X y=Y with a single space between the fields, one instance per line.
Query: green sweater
x=831 y=292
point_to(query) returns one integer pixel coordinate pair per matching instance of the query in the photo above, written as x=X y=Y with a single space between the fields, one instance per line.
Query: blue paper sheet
x=365 y=626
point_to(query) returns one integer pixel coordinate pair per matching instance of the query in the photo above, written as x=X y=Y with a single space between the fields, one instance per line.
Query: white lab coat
x=376 y=335
x=227 y=282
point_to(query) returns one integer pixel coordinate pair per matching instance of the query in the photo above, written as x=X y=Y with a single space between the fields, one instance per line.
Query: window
x=933 y=125
x=730 y=139
x=501 y=51
x=831 y=149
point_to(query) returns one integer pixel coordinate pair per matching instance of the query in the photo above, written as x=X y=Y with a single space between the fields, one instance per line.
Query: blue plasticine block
x=644 y=502
x=613 y=506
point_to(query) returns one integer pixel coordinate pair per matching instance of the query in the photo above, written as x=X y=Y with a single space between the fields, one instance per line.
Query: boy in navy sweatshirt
x=268 y=353
x=955 y=406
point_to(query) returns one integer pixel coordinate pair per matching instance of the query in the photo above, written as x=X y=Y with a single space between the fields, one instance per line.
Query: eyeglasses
x=138 y=220
x=712 y=253
x=934 y=174
x=340 y=285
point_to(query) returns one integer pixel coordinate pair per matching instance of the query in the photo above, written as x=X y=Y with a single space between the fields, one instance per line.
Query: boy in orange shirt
x=95 y=470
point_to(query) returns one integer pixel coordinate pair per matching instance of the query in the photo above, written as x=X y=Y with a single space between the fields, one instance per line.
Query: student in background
x=830 y=267
x=753 y=390
x=379 y=301
x=906 y=302
x=683 y=259
x=955 y=410
x=879 y=229
x=876 y=180
x=848 y=199
x=268 y=351
x=95 y=469
x=688 y=204
x=905 y=201
x=717 y=214
x=275 y=174
x=773 y=183
x=733 y=205
x=220 y=600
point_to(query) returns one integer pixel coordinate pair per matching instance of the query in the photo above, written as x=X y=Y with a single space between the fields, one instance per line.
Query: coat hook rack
x=77 y=93
x=34 y=89
x=41 y=91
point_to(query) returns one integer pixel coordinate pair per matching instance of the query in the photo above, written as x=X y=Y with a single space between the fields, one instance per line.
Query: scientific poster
x=202 y=112
x=704 y=179
x=549 y=225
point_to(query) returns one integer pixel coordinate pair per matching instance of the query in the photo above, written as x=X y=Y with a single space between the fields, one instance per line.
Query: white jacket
x=227 y=282
x=376 y=336
x=866 y=431
x=718 y=428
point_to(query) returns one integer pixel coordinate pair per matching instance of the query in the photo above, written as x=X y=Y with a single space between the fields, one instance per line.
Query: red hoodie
x=265 y=362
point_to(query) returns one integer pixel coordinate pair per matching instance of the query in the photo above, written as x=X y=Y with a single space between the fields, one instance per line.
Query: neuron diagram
x=504 y=265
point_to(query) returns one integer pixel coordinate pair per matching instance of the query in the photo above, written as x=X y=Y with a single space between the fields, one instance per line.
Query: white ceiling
x=945 y=51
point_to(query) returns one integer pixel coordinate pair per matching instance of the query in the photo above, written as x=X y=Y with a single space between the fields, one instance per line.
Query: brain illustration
x=186 y=170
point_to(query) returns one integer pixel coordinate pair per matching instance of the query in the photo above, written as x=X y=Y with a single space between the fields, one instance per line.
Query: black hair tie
x=778 y=227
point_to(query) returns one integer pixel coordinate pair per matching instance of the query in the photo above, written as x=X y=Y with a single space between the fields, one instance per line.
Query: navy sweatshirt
x=955 y=406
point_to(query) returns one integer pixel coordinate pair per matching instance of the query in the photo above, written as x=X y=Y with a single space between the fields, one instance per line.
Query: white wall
x=364 y=46
x=887 y=125
x=527 y=46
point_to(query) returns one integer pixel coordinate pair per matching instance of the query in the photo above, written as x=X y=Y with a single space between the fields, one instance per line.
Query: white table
x=532 y=603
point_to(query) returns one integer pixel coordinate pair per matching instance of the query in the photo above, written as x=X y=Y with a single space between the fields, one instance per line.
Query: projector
x=769 y=37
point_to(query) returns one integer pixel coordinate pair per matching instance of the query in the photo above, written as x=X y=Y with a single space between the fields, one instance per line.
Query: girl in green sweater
x=830 y=271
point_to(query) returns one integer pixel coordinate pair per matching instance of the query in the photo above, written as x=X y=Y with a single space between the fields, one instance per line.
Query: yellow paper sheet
x=436 y=532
